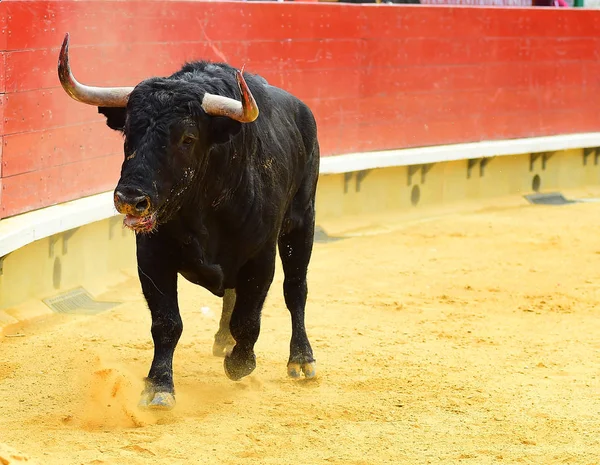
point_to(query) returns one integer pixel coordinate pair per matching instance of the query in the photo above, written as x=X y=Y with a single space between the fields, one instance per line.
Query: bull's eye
x=187 y=140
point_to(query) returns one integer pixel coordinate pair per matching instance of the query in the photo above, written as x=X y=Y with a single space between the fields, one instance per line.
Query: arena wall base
x=45 y=259
x=94 y=256
x=414 y=188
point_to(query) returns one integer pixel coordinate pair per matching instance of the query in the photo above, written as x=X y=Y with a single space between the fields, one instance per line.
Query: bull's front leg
x=158 y=277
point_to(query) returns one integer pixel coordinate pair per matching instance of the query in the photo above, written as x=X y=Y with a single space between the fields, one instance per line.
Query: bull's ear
x=115 y=117
x=222 y=129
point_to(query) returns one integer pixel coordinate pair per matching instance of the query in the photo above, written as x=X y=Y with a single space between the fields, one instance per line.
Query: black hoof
x=156 y=398
x=157 y=401
x=302 y=364
x=236 y=367
x=295 y=370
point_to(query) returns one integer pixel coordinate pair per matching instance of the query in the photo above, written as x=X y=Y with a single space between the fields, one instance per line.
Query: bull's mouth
x=140 y=224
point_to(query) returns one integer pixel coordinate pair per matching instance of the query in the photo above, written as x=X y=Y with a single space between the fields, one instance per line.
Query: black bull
x=211 y=188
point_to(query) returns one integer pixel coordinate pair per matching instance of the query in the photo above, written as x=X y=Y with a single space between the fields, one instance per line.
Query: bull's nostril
x=142 y=205
x=119 y=197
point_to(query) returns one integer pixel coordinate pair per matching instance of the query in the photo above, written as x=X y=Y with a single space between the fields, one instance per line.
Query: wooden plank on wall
x=32 y=151
x=57 y=184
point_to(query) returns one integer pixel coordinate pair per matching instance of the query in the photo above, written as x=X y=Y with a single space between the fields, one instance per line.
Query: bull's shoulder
x=297 y=111
x=289 y=103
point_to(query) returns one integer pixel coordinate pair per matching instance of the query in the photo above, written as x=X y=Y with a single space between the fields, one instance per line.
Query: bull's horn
x=97 y=96
x=245 y=111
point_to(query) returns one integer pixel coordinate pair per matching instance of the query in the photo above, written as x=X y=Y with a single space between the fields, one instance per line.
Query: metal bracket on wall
x=360 y=175
x=52 y=240
x=483 y=162
x=347 y=178
x=471 y=162
x=545 y=157
x=412 y=170
x=589 y=151
x=65 y=237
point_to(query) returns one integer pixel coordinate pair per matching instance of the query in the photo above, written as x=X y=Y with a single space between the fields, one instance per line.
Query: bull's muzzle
x=132 y=202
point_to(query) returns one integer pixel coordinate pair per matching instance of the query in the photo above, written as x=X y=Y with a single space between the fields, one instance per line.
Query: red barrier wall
x=376 y=76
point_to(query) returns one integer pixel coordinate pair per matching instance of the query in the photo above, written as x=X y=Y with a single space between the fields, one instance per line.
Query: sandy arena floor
x=469 y=338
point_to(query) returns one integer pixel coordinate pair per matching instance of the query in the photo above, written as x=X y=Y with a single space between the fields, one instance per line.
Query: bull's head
x=169 y=126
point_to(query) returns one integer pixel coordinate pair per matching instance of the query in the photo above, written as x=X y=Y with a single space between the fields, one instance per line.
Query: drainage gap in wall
x=552 y=198
x=78 y=302
x=536 y=183
x=415 y=195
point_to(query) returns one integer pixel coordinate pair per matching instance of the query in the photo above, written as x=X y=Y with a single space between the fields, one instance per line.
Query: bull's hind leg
x=253 y=282
x=224 y=341
x=295 y=249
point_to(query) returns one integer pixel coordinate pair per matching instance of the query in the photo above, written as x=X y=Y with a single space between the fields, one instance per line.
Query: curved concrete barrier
x=82 y=243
